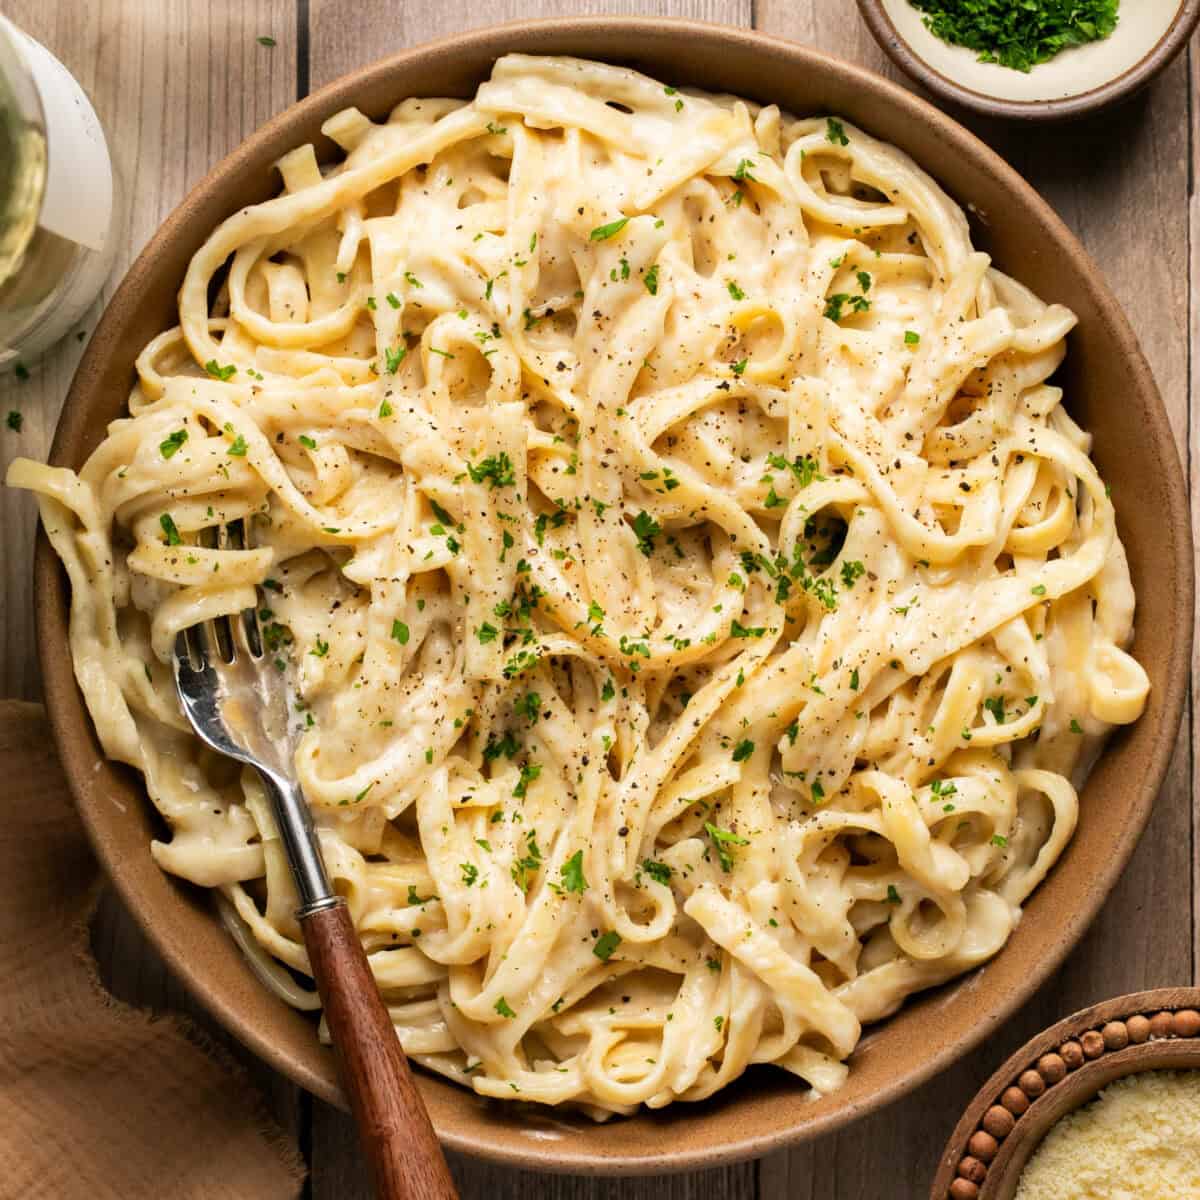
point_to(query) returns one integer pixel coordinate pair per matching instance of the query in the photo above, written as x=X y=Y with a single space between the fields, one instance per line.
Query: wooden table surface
x=178 y=83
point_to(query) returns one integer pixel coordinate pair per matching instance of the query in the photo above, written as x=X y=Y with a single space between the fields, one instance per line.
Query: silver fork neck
x=300 y=843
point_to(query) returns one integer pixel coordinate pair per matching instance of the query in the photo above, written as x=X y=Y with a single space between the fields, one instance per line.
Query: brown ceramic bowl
x=1110 y=390
x=1055 y=1073
x=1076 y=82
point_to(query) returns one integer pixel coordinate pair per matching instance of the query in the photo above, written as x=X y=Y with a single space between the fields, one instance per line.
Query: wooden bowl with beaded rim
x=1110 y=391
x=1055 y=1073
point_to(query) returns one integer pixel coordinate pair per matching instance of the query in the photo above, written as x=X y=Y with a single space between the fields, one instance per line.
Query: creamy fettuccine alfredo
x=699 y=610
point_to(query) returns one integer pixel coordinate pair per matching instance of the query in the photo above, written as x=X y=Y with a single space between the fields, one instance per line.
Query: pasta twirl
x=699 y=607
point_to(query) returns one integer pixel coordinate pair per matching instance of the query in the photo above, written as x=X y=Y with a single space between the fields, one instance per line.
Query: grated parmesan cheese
x=1138 y=1140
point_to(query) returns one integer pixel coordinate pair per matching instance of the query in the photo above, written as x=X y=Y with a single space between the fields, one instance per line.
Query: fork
x=236 y=702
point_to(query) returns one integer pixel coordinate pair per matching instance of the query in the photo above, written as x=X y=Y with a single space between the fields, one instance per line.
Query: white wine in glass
x=58 y=200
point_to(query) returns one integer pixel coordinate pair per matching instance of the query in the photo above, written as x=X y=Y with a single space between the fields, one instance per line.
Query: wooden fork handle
x=406 y=1160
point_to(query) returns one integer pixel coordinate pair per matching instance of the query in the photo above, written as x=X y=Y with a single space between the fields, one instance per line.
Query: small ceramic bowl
x=1080 y=80
x=1055 y=1073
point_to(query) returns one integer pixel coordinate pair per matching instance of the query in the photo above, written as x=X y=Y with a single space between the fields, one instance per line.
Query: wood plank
x=1121 y=182
x=345 y=36
x=348 y=33
x=338 y=1174
x=177 y=85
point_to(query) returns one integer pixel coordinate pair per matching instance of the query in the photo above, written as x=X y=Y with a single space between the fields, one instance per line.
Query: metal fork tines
x=236 y=701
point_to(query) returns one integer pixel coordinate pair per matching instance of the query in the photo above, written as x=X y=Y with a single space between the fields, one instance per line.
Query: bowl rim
x=70 y=724
x=1169 y=1052
x=1113 y=90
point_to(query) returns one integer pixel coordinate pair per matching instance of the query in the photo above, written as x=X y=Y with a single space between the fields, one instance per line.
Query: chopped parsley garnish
x=238 y=447
x=650 y=279
x=400 y=632
x=507 y=746
x=912 y=337
x=744 y=168
x=852 y=570
x=470 y=873
x=722 y=839
x=15 y=420
x=529 y=772
x=172 y=442
x=1075 y=726
x=646 y=529
x=824 y=590
x=606 y=943
x=743 y=750
x=487 y=633
x=735 y=291
x=412 y=281
x=603 y=232
x=633 y=648
x=738 y=630
x=219 y=372
x=658 y=871
x=528 y=706
x=1022 y=35
x=503 y=1009
x=804 y=467
x=893 y=896
x=321 y=649
x=999 y=840
x=307 y=442
x=995 y=705
x=525 y=868
x=519 y=663
x=835 y=303
x=1038 y=589
x=394 y=358
x=555 y=521
x=385 y=409
x=835 y=132
x=497 y=469
x=168 y=528
x=571 y=874
x=494 y=129
x=264 y=40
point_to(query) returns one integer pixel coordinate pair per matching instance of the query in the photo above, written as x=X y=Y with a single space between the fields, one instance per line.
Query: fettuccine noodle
x=701 y=610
